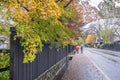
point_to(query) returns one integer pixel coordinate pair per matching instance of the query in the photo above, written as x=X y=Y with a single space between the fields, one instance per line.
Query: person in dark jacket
x=81 y=48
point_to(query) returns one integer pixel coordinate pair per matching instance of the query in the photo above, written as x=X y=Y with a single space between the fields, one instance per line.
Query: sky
x=117 y=4
x=95 y=2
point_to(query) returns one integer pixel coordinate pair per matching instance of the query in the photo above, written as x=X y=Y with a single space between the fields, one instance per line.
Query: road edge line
x=101 y=71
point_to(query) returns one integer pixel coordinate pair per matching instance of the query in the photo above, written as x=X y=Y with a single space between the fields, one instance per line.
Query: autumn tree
x=107 y=34
x=75 y=21
x=90 y=39
x=108 y=6
x=38 y=22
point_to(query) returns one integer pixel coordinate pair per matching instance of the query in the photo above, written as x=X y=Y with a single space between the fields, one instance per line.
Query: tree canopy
x=39 y=22
x=90 y=39
x=107 y=34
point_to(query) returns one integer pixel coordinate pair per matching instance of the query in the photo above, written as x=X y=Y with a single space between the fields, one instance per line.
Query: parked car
x=3 y=42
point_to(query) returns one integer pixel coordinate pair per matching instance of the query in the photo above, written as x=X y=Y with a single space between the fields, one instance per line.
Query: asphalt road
x=107 y=61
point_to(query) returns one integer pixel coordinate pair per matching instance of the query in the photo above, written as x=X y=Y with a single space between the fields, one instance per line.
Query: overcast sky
x=95 y=2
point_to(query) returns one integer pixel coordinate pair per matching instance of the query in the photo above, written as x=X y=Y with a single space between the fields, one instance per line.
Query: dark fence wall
x=115 y=47
x=44 y=60
x=70 y=48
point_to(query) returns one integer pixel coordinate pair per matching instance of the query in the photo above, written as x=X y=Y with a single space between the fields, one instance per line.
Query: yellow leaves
x=90 y=38
x=43 y=8
x=25 y=60
x=30 y=57
x=30 y=51
x=1 y=27
x=4 y=30
x=21 y=17
x=50 y=9
x=19 y=10
x=37 y=22
x=30 y=41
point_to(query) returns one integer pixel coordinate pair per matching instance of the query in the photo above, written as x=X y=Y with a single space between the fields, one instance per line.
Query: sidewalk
x=81 y=68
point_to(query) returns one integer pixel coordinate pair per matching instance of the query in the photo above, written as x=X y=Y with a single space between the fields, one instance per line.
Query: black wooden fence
x=70 y=48
x=44 y=60
x=112 y=46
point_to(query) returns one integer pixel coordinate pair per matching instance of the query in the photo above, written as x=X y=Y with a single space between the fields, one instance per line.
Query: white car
x=3 y=43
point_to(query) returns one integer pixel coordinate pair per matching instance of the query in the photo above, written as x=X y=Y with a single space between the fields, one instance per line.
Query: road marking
x=98 y=68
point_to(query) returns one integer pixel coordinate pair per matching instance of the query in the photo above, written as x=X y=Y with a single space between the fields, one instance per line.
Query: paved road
x=94 y=64
x=82 y=68
x=107 y=61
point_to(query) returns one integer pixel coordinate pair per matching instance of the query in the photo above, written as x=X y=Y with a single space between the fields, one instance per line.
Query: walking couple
x=79 y=48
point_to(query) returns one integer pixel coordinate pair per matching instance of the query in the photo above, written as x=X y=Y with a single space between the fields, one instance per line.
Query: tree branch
x=57 y=0
x=68 y=4
x=26 y=8
x=61 y=0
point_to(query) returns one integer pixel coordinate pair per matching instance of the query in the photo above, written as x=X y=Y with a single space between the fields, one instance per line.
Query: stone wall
x=53 y=71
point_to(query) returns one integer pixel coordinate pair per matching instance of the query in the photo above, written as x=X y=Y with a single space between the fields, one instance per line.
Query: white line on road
x=98 y=68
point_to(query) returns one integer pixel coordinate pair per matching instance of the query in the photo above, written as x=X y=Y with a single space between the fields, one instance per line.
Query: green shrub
x=101 y=46
x=4 y=75
x=4 y=60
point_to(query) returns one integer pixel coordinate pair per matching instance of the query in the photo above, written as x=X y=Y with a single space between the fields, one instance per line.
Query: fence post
x=67 y=55
x=13 y=33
